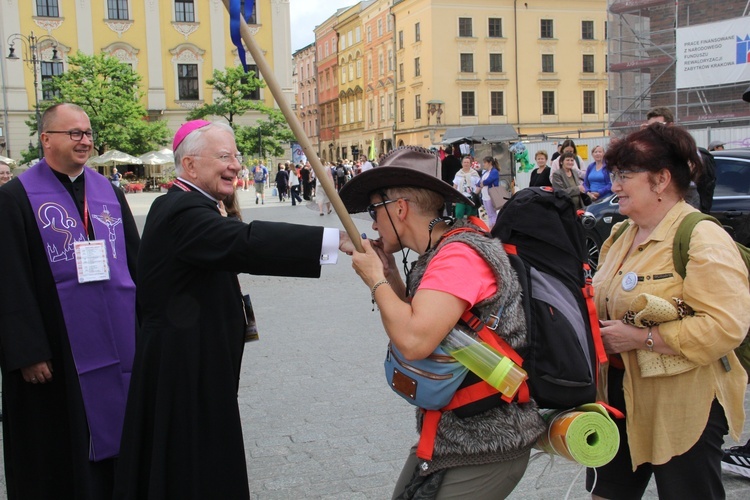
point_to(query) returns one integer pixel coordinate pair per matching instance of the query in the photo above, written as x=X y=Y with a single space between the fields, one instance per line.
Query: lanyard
x=86 y=216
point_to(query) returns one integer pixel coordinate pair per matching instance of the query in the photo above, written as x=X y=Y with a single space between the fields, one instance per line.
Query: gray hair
x=194 y=144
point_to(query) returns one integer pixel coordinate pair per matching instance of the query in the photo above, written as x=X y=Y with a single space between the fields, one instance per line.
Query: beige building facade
x=175 y=45
x=539 y=66
x=305 y=83
x=379 y=77
x=351 y=81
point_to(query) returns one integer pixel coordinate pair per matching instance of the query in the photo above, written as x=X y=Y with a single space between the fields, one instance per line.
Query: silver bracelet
x=375 y=287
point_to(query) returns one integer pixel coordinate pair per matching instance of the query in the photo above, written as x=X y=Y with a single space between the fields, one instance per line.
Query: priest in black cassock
x=183 y=435
x=67 y=318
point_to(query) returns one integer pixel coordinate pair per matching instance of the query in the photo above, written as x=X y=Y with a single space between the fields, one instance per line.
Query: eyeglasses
x=372 y=209
x=225 y=158
x=623 y=176
x=75 y=135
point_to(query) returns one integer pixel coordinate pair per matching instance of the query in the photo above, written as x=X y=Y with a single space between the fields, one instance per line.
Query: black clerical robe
x=183 y=435
x=45 y=433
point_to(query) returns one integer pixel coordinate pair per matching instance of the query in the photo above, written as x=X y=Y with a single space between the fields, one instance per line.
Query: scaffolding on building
x=643 y=64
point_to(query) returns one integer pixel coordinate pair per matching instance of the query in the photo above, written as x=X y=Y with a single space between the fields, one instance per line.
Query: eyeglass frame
x=90 y=134
x=372 y=208
x=225 y=158
x=619 y=174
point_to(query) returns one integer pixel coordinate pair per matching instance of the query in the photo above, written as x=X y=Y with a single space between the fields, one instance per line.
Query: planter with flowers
x=164 y=186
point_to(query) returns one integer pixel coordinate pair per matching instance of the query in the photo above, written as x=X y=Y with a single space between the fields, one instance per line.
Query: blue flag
x=235 y=9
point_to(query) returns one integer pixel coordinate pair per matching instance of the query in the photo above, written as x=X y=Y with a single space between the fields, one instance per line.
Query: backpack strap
x=462 y=397
x=681 y=243
x=472 y=393
x=623 y=227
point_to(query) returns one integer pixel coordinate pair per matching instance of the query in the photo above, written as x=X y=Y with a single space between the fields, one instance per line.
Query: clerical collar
x=182 y=179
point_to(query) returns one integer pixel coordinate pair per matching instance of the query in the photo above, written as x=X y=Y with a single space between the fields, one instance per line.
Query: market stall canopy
x=481 y=133
x=156 y=158
x=113 y=158
x=156 y=161
x=9 y=161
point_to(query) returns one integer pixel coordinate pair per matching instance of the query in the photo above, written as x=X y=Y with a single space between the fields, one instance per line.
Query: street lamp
x=32 y=56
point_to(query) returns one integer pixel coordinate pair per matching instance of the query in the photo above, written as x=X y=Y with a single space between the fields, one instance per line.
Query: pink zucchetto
x=185 y=130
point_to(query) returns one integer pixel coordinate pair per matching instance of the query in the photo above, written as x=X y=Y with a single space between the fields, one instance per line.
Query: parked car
x=731 y=204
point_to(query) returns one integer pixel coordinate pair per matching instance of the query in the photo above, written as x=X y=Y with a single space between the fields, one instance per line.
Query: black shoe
x=737 y=459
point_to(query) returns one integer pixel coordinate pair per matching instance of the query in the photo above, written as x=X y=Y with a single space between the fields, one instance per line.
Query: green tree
x=269 y=134
x=109 y=91
x=235 y=90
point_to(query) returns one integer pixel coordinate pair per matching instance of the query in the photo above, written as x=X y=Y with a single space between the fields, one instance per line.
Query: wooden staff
x=299 y=132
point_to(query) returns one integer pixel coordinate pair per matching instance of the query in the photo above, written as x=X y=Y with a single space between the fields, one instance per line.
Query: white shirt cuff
x=329 y=251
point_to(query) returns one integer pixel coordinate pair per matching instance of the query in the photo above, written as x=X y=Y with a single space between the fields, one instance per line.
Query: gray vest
x=505 y=432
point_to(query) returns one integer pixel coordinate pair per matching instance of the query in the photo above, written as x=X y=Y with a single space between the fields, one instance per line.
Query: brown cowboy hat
x=407 y=166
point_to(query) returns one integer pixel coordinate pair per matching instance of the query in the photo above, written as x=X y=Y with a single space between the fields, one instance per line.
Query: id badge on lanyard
x=91 y=256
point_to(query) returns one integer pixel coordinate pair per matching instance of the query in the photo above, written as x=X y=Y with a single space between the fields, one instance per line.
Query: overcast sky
x=307 y=14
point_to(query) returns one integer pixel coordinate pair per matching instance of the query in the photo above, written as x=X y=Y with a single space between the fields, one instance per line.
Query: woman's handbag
x=499 y=195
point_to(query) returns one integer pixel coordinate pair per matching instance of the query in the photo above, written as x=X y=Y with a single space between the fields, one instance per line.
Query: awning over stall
x=480 y=133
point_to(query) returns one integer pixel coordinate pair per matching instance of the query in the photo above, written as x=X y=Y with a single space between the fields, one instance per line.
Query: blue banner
x=235 y=9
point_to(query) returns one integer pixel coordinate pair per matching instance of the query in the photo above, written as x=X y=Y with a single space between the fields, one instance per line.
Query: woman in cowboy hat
x=480 y=450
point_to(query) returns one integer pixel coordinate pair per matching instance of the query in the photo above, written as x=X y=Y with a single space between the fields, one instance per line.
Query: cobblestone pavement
x=319 y=422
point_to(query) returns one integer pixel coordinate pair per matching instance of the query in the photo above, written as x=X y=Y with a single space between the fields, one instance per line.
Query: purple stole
x=99 y=316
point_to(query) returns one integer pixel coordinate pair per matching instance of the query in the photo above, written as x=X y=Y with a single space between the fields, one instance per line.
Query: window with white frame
x=417 y=107
x=548 y=102
x=588 y=63
x=253 y=95
x=467 y=63
x=468 y=103
x=187 y=82
x=497 y=103
x=117 y=9
x=548 y=63
x=417 y=67
x=184 y=11
x=47 y=8
x=546 y=28
x=380 y=27
x=589 y=102
x=50 y=69
x=465 y=27
x=495 y=27
x=587 y=30
x=496 y=63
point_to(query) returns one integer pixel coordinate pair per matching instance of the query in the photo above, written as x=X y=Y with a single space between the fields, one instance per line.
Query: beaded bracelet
x=375 y=287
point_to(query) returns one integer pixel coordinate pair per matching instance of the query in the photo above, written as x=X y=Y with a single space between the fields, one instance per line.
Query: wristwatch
x=650 y=340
